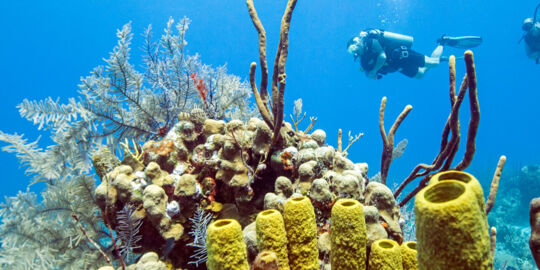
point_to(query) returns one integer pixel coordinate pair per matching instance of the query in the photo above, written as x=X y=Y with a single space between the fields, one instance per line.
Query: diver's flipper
x=446 y=58
x=464 y=42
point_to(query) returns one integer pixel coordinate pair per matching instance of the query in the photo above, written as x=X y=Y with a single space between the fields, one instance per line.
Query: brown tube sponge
x=534 y=241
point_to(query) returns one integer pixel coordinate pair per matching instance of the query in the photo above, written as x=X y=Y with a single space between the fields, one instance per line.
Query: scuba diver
x=382 y=52
x=531 y=26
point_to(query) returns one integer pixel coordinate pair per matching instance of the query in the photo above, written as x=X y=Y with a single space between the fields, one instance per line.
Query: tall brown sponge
x=534 y=241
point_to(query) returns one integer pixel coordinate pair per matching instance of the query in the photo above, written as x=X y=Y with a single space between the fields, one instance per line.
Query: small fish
x=201 y=88
x=168 y=247
x=399 y=149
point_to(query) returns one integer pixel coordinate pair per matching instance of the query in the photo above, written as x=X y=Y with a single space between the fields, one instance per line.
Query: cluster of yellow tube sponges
x=291 y=238
x=451 y=224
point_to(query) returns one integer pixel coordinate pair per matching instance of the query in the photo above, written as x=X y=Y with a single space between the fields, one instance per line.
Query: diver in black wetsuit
x=382 y=52
x=531 y=26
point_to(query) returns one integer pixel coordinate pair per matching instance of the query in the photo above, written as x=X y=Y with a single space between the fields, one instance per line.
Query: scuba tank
x=395 y=40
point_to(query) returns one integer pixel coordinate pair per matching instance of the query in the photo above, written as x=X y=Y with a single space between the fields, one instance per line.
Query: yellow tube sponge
x=450 y=228
x=271 y=235
x=469 y=180
x=408 y=255
x=385 y=255
x=225 y=246
x=464 y=177
x=348 y=235
x=299 y=217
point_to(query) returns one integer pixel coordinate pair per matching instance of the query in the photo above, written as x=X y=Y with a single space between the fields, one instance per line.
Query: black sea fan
x=128 y=232
x=198 y=231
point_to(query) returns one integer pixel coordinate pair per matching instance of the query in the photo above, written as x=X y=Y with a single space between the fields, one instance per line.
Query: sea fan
x=128 y=232
x=198 y=231
x=116 y=101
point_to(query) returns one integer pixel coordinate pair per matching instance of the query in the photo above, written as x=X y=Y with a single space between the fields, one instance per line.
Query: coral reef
x=117 y=102
x=214 y=186
x=227 y=175
x=509 y=217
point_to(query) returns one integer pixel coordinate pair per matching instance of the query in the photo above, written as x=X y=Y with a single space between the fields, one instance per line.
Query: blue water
x=48 y=45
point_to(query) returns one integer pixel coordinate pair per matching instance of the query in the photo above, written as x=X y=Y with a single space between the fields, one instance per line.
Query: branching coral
x=351 y=141
x=297 y=111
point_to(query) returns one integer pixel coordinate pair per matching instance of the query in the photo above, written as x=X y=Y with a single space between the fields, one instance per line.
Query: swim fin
x=464 y=42
x=446 y=58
